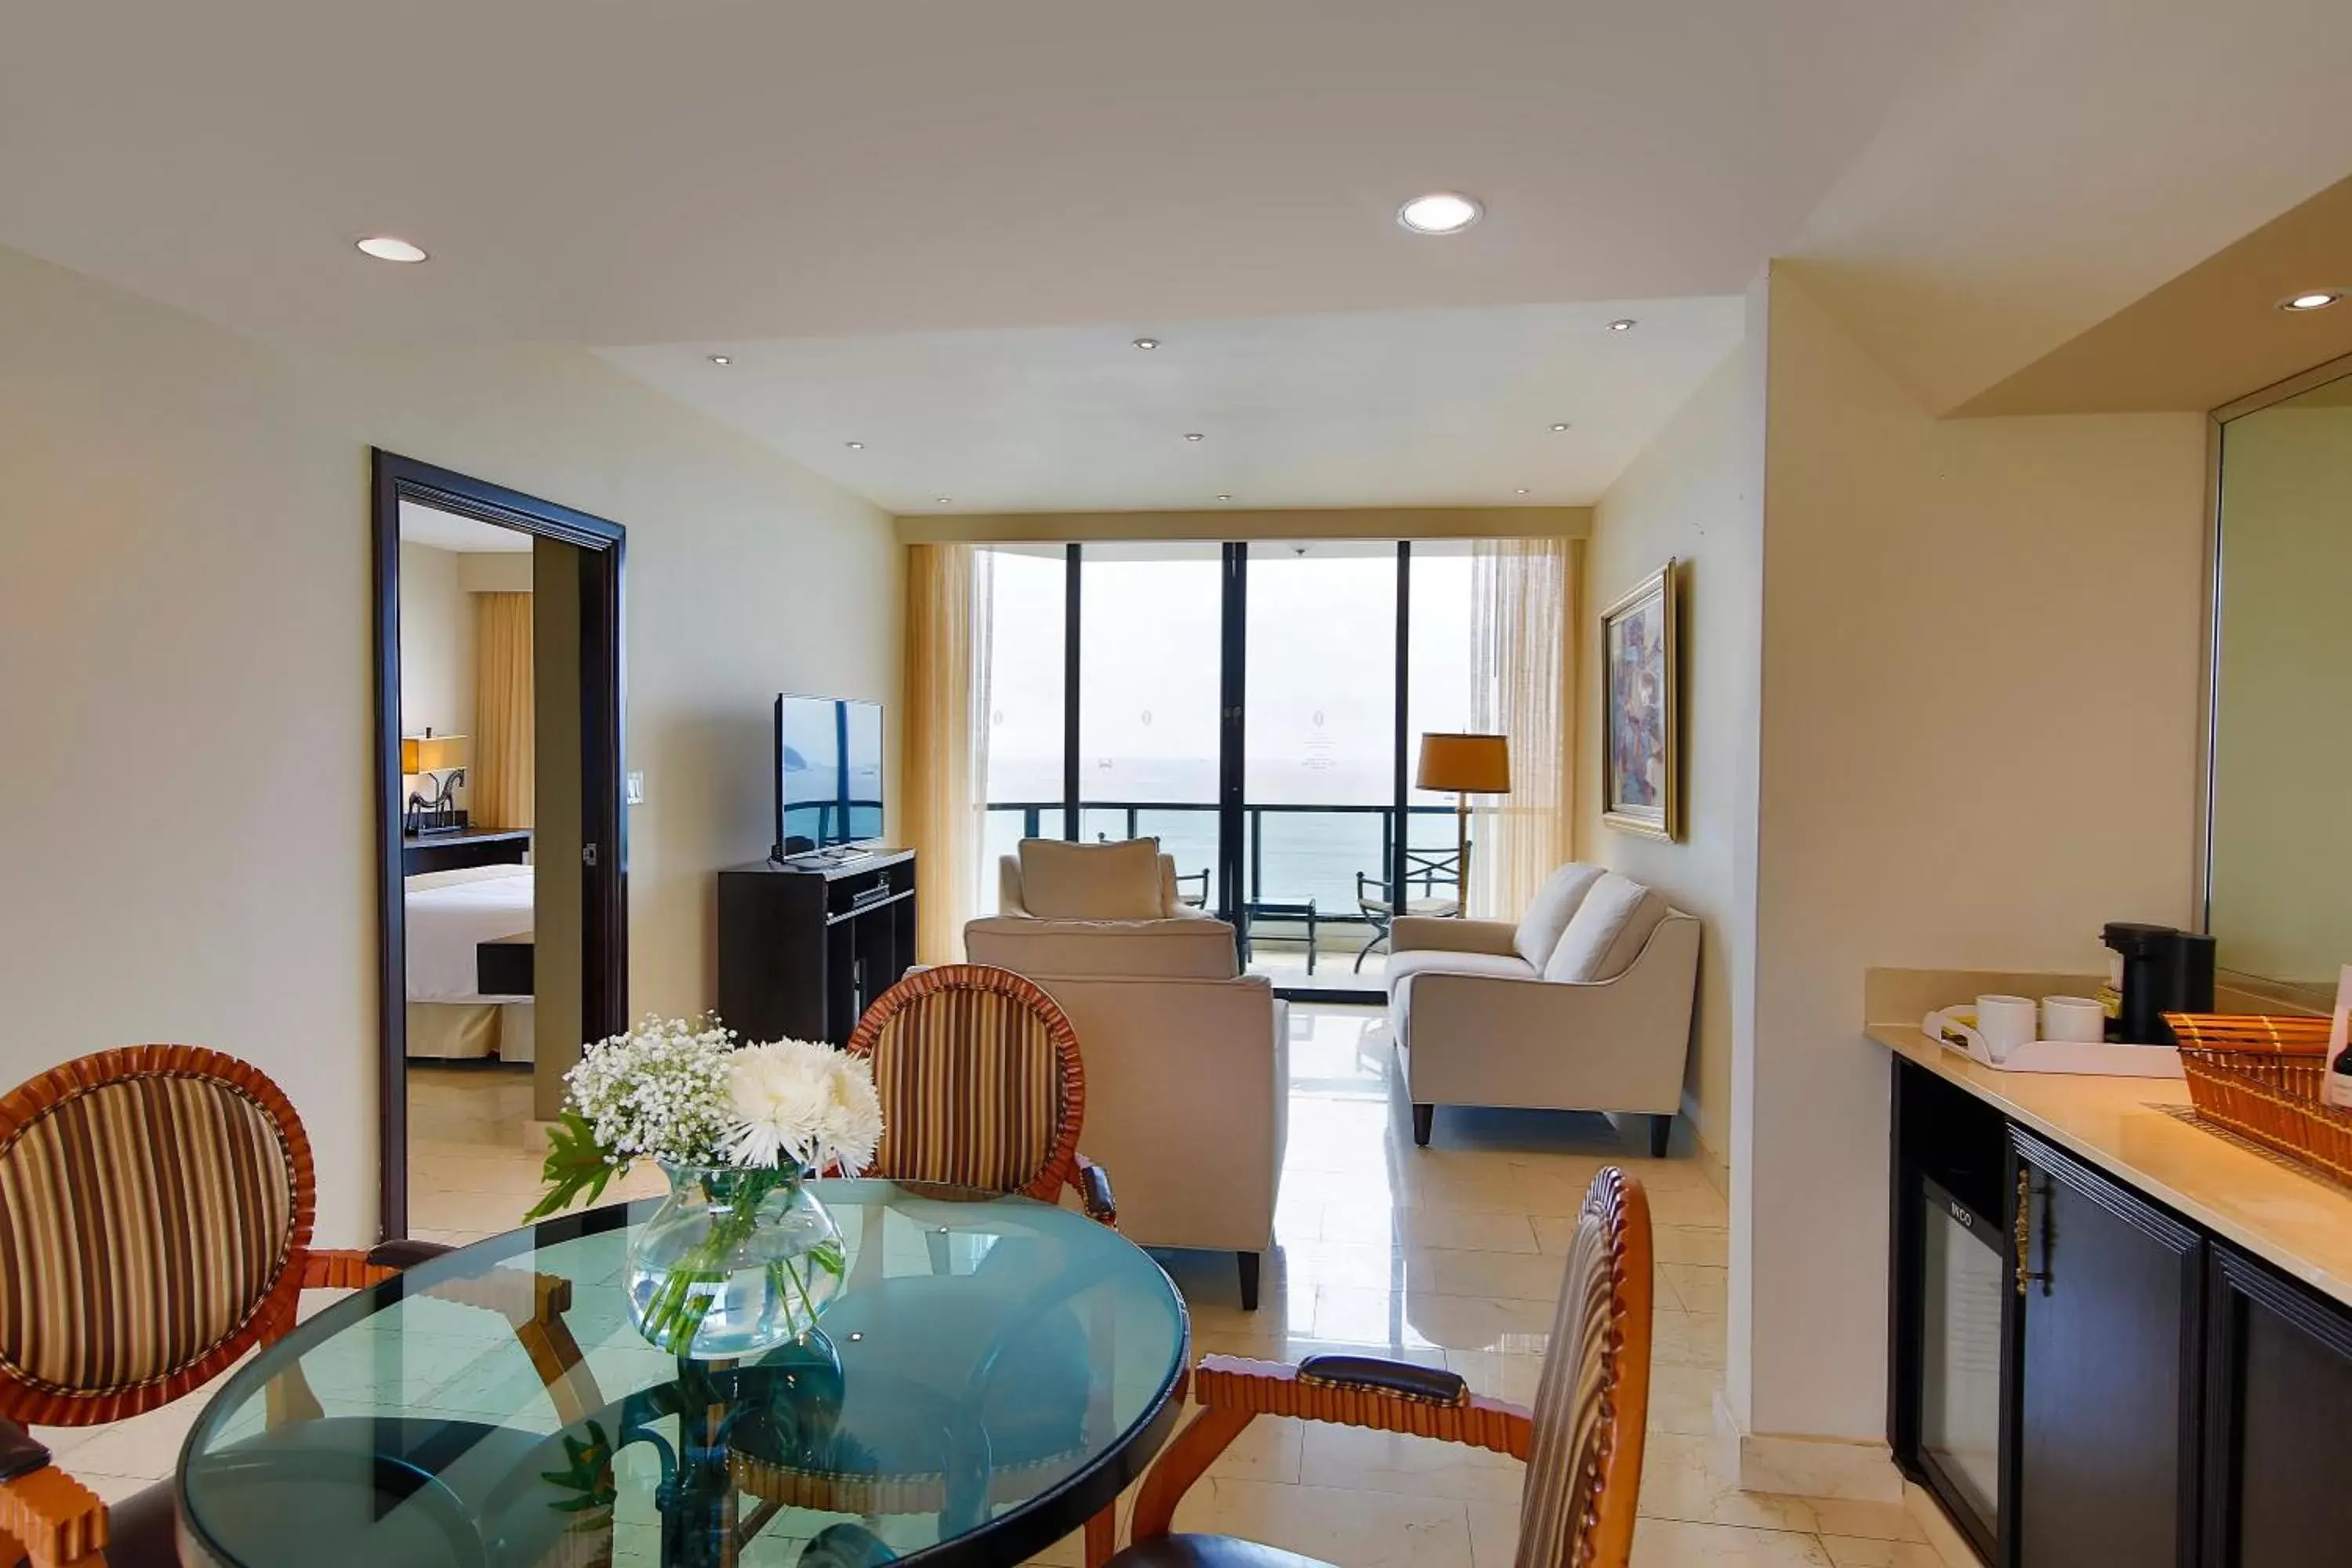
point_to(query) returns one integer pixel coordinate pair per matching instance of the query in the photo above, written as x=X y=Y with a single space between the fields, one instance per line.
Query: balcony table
x=993 y=1373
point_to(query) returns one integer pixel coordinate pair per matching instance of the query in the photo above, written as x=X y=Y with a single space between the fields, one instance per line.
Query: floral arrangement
x=736 y=1124
x=683 y=1093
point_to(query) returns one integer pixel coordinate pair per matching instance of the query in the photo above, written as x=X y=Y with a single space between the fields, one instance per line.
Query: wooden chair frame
x=1064 y=1166
x=59 y=1523
x=1396 y=1397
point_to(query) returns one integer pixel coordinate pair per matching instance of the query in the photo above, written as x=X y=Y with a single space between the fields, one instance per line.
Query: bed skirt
x=468 y=1030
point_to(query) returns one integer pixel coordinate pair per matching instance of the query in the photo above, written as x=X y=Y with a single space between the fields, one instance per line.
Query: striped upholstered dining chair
x=155 y=1211
x=982 y=1086
x=1582 y=1442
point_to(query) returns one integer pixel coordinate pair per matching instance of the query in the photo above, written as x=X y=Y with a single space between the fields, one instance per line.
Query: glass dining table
x=991 y=1375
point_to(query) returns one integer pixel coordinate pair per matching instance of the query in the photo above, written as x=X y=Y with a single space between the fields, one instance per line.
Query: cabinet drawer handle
x=2023 y=1229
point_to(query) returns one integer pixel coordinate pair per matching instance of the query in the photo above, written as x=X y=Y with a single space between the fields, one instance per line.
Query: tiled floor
x=1449 y=1255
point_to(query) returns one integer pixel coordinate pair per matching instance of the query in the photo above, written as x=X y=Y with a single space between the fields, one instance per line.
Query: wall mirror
x=2279 y=838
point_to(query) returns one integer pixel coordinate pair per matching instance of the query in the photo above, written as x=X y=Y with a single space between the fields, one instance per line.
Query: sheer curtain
x=1523 y=673
x=506 y=716
x=943 y=756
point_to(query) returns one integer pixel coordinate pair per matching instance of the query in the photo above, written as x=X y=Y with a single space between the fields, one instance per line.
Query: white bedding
x=449 y=912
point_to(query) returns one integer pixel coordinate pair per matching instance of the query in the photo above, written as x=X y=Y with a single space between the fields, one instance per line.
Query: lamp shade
x=431 y=753
x=1469 y=764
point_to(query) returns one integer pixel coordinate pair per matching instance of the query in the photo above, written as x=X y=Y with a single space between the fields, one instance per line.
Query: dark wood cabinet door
x=2106 y=1337
x=2278 y=1421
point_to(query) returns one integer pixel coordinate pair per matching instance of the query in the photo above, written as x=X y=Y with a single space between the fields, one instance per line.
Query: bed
x=450 y=914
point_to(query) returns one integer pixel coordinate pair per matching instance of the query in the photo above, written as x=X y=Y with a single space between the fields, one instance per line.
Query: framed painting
x=1640 y=789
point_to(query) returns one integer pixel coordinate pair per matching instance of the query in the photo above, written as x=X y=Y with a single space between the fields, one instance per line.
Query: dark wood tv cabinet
x=805 y=947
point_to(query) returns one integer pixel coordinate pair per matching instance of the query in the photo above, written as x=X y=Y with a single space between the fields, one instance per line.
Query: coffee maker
x=2154 y=970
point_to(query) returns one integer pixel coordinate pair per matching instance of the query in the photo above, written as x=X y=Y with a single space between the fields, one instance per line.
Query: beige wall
x=2282 y=838
x=1977 y=743
x=1697 y=494
x=1333 y=522
x=437 y=645
x=495 y=571
x=184 y=622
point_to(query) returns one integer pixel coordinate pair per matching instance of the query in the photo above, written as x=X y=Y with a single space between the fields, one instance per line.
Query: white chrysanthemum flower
x=804 y=1101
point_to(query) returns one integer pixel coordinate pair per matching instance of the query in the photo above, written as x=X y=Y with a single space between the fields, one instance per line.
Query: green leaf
x=576 y=1163
x=831 y=1257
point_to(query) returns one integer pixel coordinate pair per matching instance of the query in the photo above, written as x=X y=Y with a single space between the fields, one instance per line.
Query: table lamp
x=1468 y=765
x=441 y=758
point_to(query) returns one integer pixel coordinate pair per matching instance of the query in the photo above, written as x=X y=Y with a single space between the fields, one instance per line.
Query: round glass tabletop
x=993 y=1371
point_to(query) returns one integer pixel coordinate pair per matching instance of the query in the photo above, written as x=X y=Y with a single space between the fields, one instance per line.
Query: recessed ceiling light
x=1146 y=345
x=385 y=247
x=722 y=359
x=1523 y=490
x=1624 y=324
x=1440 y=211
x=944 y=499
x=855 y=446
x=2311 y=300
x=1558 y=428
x=1224 y=498
x=1194 y=436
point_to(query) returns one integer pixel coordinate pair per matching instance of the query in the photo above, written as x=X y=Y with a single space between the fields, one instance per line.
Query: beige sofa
x=1187 y=1065
x=1583 y=1004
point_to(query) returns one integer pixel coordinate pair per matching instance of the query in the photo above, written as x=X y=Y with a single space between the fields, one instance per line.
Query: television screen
x=828 y=773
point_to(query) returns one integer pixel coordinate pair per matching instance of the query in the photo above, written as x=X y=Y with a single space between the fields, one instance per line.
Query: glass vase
x=736 y=1261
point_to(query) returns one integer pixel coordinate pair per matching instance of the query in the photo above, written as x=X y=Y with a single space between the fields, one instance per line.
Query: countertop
x=2300 y=1224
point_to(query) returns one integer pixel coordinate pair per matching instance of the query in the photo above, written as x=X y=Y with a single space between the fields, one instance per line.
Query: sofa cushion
x=1191 y=946
x=1607 y=932
x=1118 y=881
x=1406 y=967
x=1548 y=913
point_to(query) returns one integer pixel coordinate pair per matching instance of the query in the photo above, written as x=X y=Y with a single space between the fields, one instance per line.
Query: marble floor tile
x=1677 y=1544
x=1854 y=1552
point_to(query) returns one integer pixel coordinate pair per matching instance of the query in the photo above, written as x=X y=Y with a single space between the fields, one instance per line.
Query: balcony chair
x=167 y=1194
x=1583 y=1441
x=1432 y=868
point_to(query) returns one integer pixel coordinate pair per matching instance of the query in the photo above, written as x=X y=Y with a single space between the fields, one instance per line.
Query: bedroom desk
x=420 y=852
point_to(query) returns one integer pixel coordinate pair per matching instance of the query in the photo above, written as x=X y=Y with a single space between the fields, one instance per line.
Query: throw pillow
x=1607 y=932
x=1548 y=914
x=1092 y=881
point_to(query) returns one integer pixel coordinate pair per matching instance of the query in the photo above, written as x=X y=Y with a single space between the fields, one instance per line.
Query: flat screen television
x=828 y=773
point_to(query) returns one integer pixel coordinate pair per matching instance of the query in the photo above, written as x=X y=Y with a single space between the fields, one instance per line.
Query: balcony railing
x=1298 y=856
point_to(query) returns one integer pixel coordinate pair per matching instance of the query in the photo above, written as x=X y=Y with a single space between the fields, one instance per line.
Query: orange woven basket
x=2259 y=1076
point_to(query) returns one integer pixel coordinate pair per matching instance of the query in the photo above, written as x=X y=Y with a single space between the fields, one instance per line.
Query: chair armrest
x=1434 y=933
x=1092 y=1184
x=53 y=1518
x=1352 y=1390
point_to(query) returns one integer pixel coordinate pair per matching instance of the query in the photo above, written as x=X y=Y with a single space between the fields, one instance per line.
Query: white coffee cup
x=2072 y=1018
x=2006 y=1023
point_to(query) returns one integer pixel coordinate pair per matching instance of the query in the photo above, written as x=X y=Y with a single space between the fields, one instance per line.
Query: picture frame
x=1640 y=710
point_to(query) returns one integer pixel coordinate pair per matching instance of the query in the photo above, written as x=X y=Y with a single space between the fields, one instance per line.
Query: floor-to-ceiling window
x=1028 y=588
x=1256 y=709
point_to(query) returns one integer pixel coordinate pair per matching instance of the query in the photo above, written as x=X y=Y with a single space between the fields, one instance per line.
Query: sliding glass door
x=1319 y=749
x=1150 y=720
x=1257 y=709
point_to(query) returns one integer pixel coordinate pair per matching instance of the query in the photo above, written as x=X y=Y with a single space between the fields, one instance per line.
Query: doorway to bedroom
x=502 y=829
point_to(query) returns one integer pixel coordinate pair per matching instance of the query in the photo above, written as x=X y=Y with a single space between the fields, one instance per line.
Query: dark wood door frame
x=603 y=821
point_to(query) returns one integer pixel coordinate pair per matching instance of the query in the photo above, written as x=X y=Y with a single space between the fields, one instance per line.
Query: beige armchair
x=1584 y=1005
x=1187 y=1065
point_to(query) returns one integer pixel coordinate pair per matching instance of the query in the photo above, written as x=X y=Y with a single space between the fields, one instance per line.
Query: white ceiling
x=439 y=530
x=606 y=173
x=863 y=202
x=1396 y=408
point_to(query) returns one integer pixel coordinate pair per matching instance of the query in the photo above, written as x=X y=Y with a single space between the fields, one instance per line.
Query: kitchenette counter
x=2298 y=1222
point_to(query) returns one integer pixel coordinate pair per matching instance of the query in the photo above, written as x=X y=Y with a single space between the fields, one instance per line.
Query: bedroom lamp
x=441 y=758
x=1468 y=765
